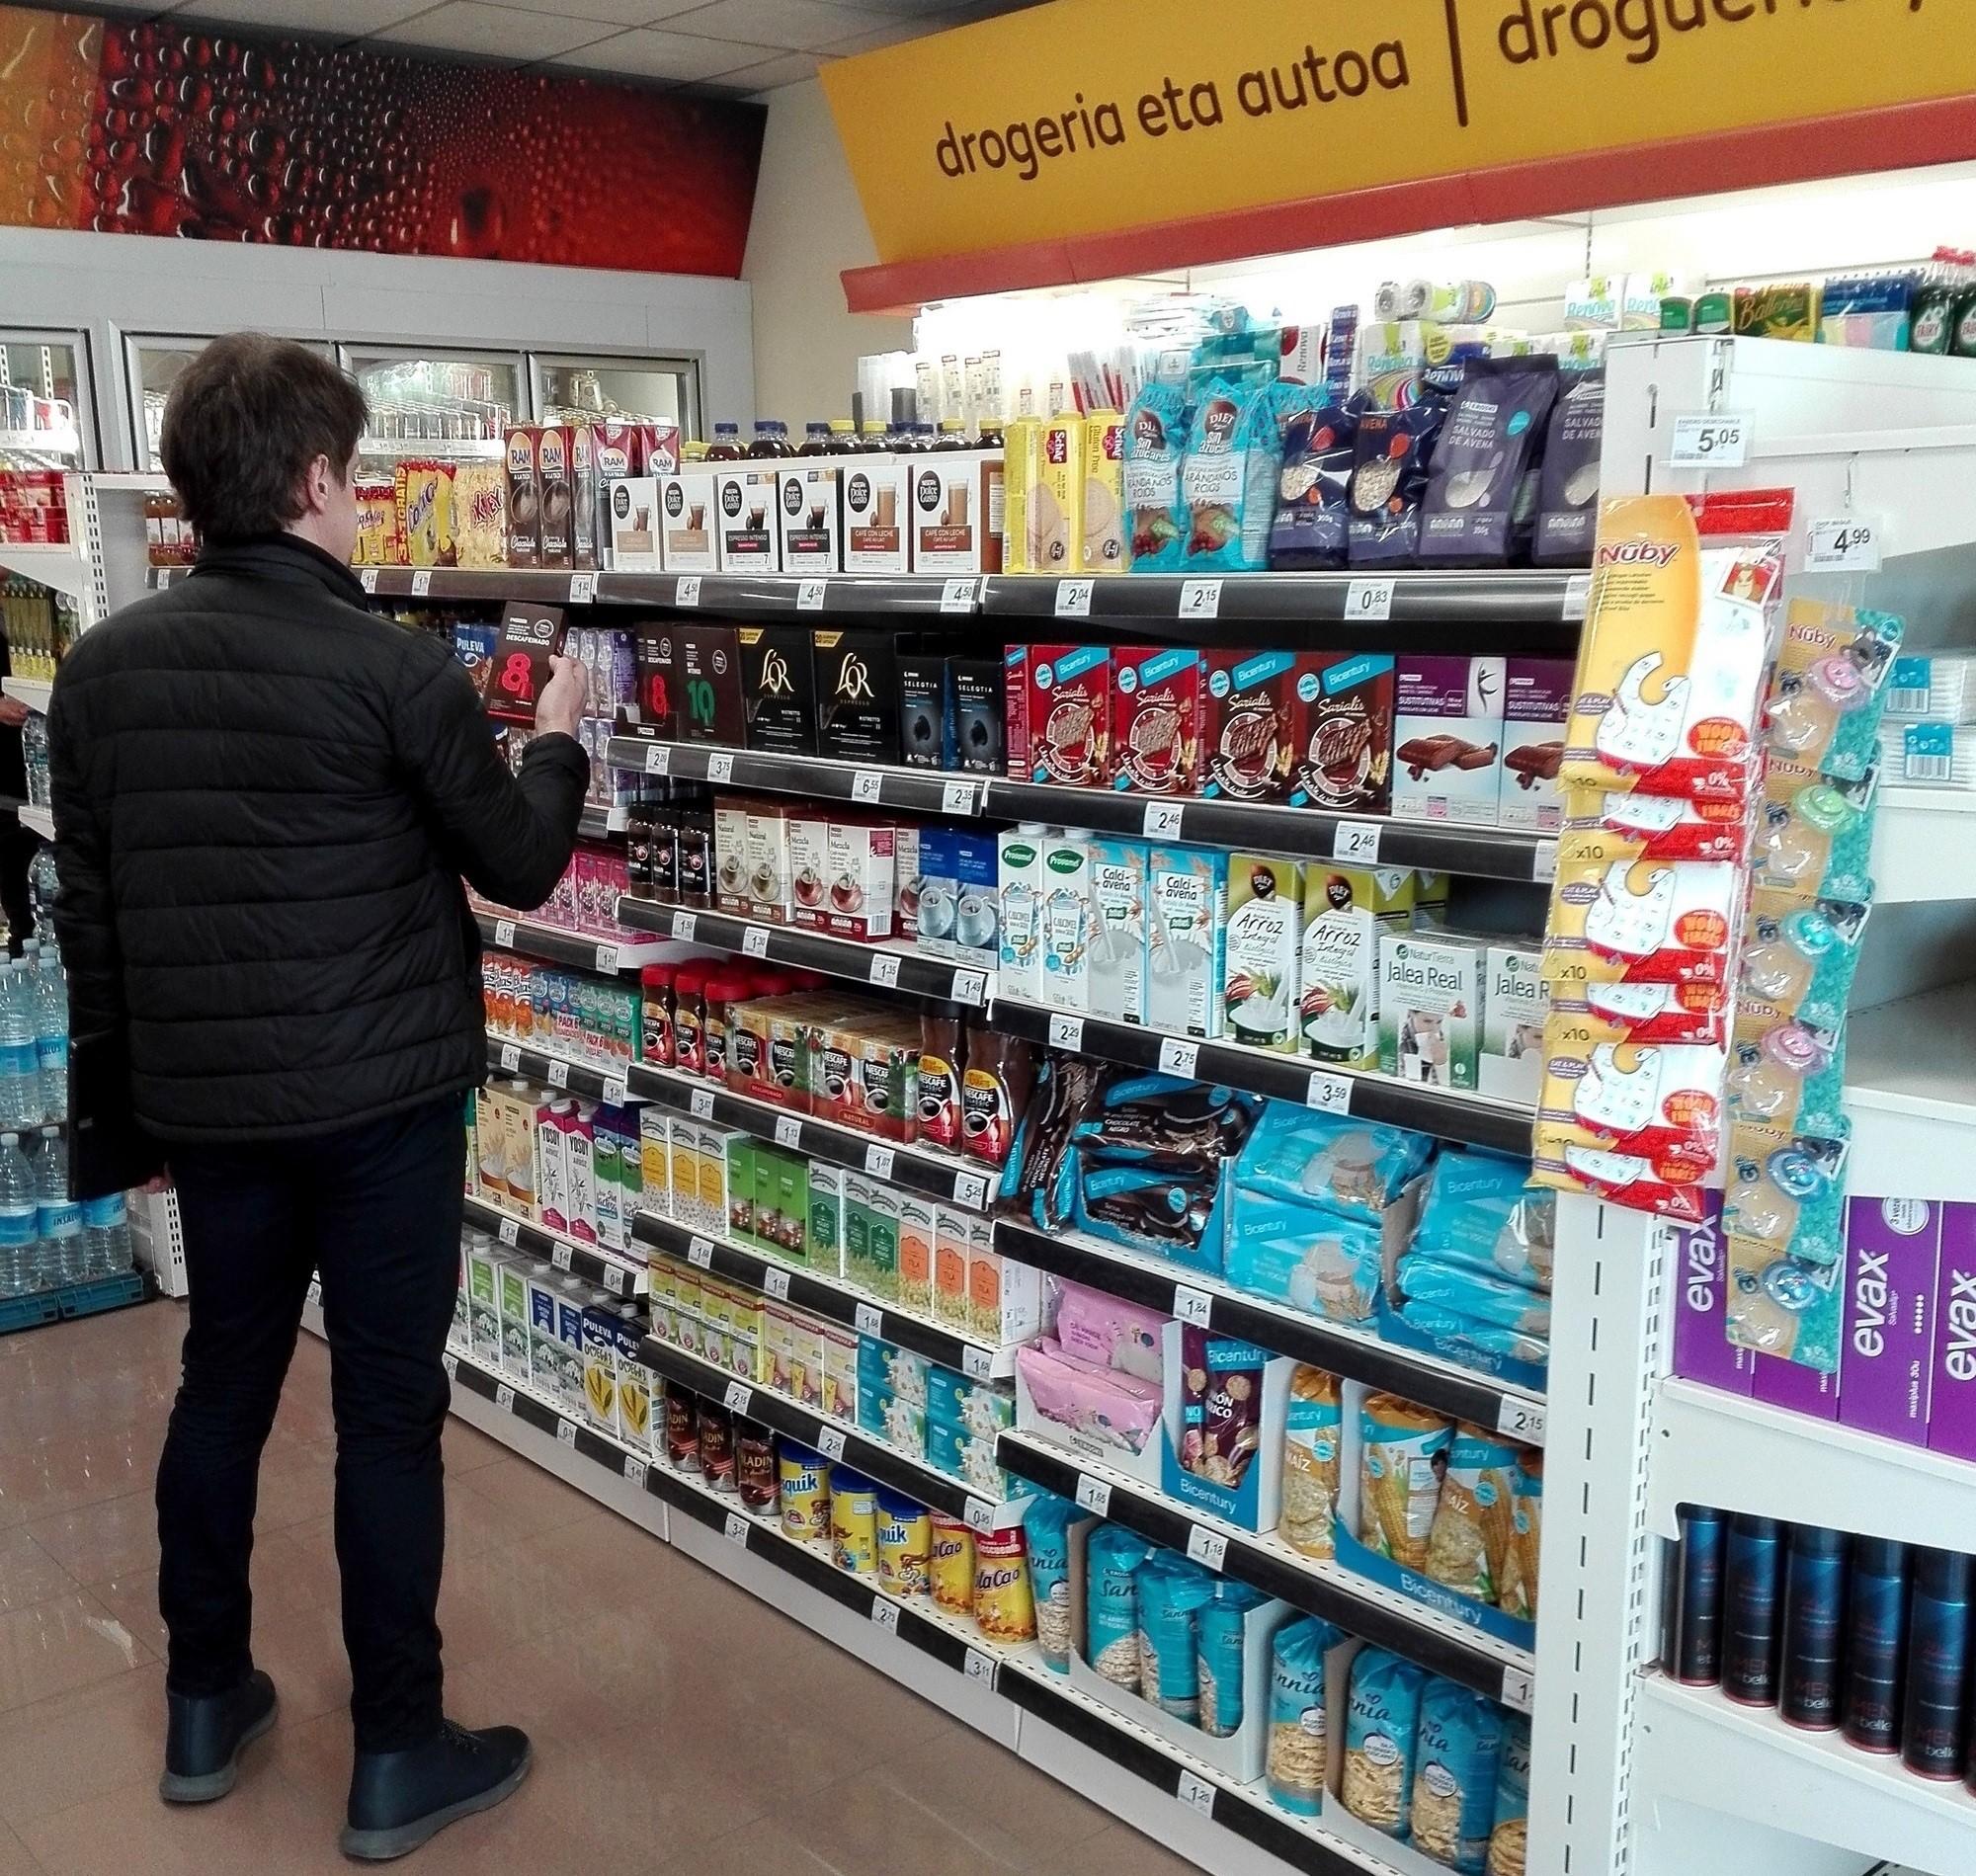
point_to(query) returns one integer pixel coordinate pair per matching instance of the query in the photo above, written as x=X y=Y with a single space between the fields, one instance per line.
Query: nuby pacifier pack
x=1831 y=688
x=1799 y=956
x=1814 y=836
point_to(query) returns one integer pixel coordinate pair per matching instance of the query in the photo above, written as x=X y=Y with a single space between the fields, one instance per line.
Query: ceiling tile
x=494 y=31
x=890 y=32
x=611 y=11
x=792 y=26
x=649 y=55
x=351 y=18
x=791 y=68
x=945 y=12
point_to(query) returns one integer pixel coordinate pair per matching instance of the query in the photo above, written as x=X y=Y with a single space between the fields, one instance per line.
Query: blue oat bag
x=1381 y=1729
x=1354 y=1168
x=1469 y=1293
x=1220 y=1630
x=1293 y=1252
x=1172 y=1594
x=1112 y=1564
x=1228 y=480
x=1047 y=1526
x=1154 y=445
x=1441 y=1324
x=1299 y=1740
x=1460 y=1749
x=1482 y=1213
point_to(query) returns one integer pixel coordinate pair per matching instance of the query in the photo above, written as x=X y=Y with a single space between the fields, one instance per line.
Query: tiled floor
x=681 y=1726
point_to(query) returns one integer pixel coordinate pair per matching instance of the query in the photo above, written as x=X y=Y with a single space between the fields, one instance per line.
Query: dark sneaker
x=399 y=1800
x=206 y=1736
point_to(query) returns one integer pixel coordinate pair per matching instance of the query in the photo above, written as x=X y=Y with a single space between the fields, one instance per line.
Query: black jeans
x=377 y=1210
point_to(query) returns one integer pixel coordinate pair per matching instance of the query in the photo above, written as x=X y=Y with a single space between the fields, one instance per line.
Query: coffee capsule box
x=689 y=541
x=878 y=516
x=856 y=677
x=926 y=712
x=708 y=672
x=746 y=505
x=956 y=499
x=810 y=501
x=778 y=689
x=979 y=703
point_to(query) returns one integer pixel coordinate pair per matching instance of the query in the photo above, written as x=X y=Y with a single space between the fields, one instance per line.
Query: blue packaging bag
x=1354 y=1168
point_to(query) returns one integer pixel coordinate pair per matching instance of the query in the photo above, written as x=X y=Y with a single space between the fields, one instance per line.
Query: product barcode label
x=1704 y=441
x=1072 y=598
x=1192 y=1306
x=616 y=1091
x=561 y=1256
x=810 y=596
x=958 y=797
x=1178 y=1056
x=1356 y=844
x=1162 y=822
x=422 y=583
x=1577 y=595
x=504 y=934
x=1521 y=1420
x=687 y=593
x=957 y=595
x=1368 y=600
x=979 y=1667
x=878 y=1161
x=511 y=1231
x=701 y=1100
x=976 y=1364
x=450 y=1362
x=700 y=1253
x=635 y=1473
x=978 y=1515
x=739 y=1398
x=1851 y=543
x=504 y=1398
x=867 y=784
x=788 y=1132
x=1195 y=1793
x=582 y=588
x=885 y=1615
x=565 y=1433
x=868 y=1318
x=736 y=1529
x=1328 y=1094
x=683 y=926
x=885 y=970
x=1919 y=766
x=1201 y=598
x=1093 y=1494
x=659 y=759
x=830 y=1441
x=970 y=986
x=1518 y=1690
x=558 y=1074
x=970 y=1189
x=776 y=1283
x=510 y=1059
x=720 y=766
x=366 y=576
x=1207 y=1548
x=755 y=941
x=1066 y=1033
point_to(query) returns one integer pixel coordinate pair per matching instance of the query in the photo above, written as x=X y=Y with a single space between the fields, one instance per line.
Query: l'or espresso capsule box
x=856 y=696
x=778 y=690
x=706 y=683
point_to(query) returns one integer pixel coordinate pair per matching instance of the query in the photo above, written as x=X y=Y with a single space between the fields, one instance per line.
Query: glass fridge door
x=438 y=401
x=582 y=390
x=46 y=418
x=152 y=363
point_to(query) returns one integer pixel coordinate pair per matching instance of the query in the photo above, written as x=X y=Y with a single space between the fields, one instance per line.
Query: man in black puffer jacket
x=265 y=797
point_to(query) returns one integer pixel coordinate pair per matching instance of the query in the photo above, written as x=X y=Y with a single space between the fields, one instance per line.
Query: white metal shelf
x=1911 y=1094
x=34 y=693
x=1924 y=846
x=60 y=565
x=41 y=820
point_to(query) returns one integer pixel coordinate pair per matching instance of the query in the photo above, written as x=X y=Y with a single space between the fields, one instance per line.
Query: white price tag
x=315 y=1292
x=957 y=595
x=1851 y=543
x=958 y=797
x=561 y=1256
x=868 y=1319
x=970 y=1189
x=1162 y=822
x=511 y=1231
x=1518 y=1690
x=720 y=766
x=582 y=589
x=1370 y=600
x=683 y=926
x=616 y=1091
x=755 y=941
x=1192 y=1306
x=1201 y=598
x=450 y=1363
x=885 y=1615
x=810 y=596
x=1526 y=1421
x=366 y=576
x=635 y=1473
x=1093 y=1494
x=1066 y=1033
x=701 y=1104
x=886 y=969
x=979 y=1667
x=788 y=1132
x=510 y=1059
x=1543 y=862
x=558 y=1074
x=976 y=1364
x=1577 y=595
x=867 y=784
x=1195 y=1793
x=687 y=593
x=606 y=959
x=504 y=1398
x=830 y=1441
x=1328 y=1094
x=565 y=1433
x=970 y=987
x=504 y=934
x=659 y=759
x=617 y=1283
x=1704 y=441
x=700 y=1253
x=736 y=1529
x=1356 y=844
x=775 y=1281
x=1178 y=1056
x=878 y=1161
x=739 y=1398
x=1207 y=1548
x=1072 y=598
x=422 y=583
x=978 y=1515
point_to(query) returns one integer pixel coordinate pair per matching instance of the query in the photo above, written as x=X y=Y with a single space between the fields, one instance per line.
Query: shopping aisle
x=679 y=1725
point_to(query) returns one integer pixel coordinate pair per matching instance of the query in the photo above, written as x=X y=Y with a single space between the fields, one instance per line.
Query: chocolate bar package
x=1344 y=733
x=981 y=745
x=1248 y=725
x=1067 y=705
x=778 y=690
x=707 y=685
x=1537 y=706
x=1449 y=725
x=925 y=712
x=856 y=696
x=1155 y=718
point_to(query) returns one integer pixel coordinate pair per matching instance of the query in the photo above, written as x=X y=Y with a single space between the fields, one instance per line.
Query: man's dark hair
x=243 y=422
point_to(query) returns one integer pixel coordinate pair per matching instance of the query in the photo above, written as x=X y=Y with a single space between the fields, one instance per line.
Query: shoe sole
x=384 y=1846
x=185 y=1788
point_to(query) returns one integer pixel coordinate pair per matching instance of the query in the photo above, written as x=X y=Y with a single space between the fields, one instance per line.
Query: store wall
x=808 y=228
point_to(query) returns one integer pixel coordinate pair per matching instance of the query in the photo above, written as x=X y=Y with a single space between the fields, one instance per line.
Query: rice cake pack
x=1494 y=428
x=1403 y=1452
x=1313 y=1436
x=1382 y=1740
x=1299 y=1747
x=1461 y=1745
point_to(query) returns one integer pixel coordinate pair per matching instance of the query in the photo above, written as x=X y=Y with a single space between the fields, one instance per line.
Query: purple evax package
x=1886 y=1362
x=1801 y=1390
x=1951 y=1407
x=1702 y=1350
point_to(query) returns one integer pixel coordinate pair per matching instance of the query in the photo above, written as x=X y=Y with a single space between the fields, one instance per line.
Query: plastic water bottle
x=41 y=887
x=105 y=1236
x=20 y=1065
x=58 y=1218
x=51 y=987
x=18 y=1268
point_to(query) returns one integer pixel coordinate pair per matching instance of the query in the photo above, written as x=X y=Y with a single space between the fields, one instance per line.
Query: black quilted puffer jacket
x=265 y=798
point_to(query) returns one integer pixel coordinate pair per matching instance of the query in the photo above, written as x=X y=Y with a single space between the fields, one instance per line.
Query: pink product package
x=1951 y=1407
x=1702 y=1350
x=1097 y=1403
x=1109 y=1332
x=1885 y=1363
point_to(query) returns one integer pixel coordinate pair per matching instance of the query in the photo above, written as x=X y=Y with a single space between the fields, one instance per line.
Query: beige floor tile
x=529 y=1501
x=1122 y=1852
x=133 y=1601
x=116 y=1538
x=61 y=1751
x=60 y=1644
x=861 y=1823
x=995 y=1799
x=770 y=1846
x=467 y=1449
x=28 y=1574
x=63 y=1472
x=15 y=1859
x=303 y=1650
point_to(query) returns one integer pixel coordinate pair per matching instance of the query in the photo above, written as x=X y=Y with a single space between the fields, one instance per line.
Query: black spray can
x=1814 y=1628
x=1753 y=1581
x=1695 y=1621
x=1877 y=1623
x=1934 y=1725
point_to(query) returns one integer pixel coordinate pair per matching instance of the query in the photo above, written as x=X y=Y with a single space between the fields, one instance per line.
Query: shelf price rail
x=558 y=945
x=619 y=1272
